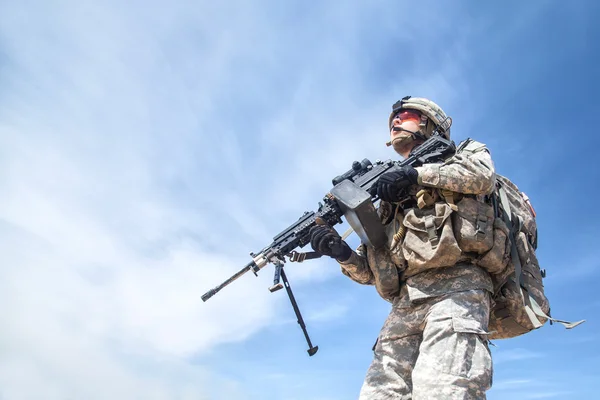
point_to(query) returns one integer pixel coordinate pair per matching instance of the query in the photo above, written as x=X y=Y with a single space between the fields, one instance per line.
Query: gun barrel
x=215 y=290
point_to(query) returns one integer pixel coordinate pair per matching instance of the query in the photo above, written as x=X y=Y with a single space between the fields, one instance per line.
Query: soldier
x=434 y=343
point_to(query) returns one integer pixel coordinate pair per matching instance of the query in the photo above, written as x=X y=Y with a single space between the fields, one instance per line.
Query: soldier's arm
x=470 y=171
x=357 y=267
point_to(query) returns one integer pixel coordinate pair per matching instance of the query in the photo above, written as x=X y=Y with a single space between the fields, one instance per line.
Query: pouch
x=473 y=223
x=429 y=241
x=496 y=259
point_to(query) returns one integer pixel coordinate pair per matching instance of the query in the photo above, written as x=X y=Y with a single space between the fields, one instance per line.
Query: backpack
x=519 y=302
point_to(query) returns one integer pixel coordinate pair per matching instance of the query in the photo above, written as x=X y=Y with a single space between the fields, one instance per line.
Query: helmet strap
x=416 y=135
x=401 y=140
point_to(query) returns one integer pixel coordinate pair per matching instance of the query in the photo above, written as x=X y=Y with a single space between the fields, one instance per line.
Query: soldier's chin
x=402 y=144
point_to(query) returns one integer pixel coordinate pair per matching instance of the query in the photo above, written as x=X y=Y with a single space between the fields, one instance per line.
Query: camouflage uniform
x=433 y=344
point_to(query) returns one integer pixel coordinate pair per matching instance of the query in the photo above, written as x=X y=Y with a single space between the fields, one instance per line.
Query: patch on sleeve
x=429 y=174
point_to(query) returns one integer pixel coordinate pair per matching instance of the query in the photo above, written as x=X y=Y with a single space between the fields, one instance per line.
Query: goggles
x=406 y=115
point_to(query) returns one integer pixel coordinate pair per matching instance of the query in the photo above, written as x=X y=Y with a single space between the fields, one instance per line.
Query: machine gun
x=350 y=197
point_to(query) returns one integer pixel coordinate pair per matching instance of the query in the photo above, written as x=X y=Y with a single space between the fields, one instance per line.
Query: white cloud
x=511 y=384
x=514 y=354
x=549 y=394
x=126 y=192
x=580 y=268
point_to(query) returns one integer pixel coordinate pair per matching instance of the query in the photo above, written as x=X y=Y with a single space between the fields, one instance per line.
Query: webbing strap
x=347 y=233
x=514 y=254
x=431 y=232
x=425 y=199
x=535 y=309
x=296 y=256
x=448 y=195
x=481 y=225
x=532 y=310
x=505 y=203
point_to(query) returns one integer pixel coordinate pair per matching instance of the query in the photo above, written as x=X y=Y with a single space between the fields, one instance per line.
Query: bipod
x=280 y=275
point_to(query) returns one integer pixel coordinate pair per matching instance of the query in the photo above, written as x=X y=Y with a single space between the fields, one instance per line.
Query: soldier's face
x=402 y=139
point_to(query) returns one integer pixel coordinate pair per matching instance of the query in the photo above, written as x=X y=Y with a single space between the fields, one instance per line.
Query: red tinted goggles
x=405 y=115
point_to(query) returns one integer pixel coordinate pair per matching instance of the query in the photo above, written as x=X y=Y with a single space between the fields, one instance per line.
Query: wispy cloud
x=516 y=354
x=532 y=387
x=511 y=384
x=328 y=313
x=548 y=394
x=577 y=268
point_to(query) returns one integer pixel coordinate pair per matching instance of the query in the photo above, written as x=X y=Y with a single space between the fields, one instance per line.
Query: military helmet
x=426 y=107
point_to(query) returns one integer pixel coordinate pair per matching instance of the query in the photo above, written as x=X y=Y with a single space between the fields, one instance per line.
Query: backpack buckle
x=482 y=223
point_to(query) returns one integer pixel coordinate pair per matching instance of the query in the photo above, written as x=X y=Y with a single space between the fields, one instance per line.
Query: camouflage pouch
x=496 y=259
x=429 y=241
x=473 y=223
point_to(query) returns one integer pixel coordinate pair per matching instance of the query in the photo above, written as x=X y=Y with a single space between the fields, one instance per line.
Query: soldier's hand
x=391 y=184
x=326 y=241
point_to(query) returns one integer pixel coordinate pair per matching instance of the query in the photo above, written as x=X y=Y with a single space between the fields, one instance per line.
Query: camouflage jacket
x=469 y=172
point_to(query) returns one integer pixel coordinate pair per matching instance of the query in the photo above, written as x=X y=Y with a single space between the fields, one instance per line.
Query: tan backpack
x=520 y=304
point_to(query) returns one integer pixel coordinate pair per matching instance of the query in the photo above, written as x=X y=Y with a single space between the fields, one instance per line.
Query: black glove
x=326 y=241
x=389 y=186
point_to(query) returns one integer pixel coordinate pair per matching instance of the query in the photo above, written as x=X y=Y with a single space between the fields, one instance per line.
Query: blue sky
x=146 y=148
